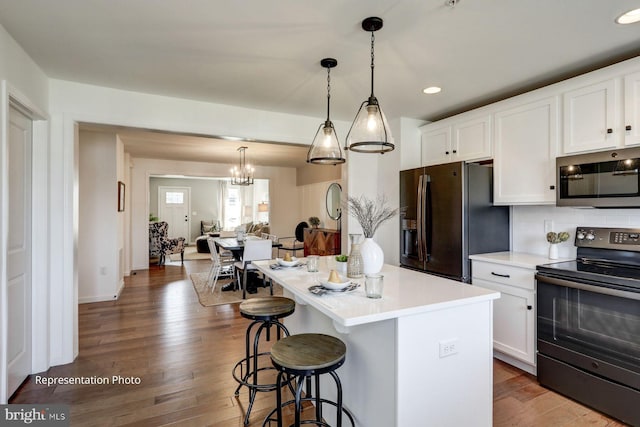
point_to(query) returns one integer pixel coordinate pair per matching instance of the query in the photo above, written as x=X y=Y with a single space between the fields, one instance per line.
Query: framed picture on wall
x=120 y=196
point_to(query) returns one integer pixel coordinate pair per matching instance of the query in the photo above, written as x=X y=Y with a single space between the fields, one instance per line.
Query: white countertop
x=406 y=292
x=518 y=259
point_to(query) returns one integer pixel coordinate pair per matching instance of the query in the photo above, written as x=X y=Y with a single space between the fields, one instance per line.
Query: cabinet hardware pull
x=609 y=130
x=529 y=307
x=500 y=275
x=627 y=127
x=446 y=152
x=455 y=151
x=552 y=187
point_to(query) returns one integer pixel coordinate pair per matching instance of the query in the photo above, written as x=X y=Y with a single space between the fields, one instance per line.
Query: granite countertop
x=406 y=292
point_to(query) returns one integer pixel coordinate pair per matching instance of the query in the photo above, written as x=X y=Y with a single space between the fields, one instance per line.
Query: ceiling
x=266 y=55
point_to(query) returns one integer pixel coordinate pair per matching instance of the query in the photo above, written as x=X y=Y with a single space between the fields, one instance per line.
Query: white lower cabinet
x=514 y=336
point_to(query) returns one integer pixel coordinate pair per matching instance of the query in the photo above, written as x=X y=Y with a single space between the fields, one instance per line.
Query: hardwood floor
x=183 y=353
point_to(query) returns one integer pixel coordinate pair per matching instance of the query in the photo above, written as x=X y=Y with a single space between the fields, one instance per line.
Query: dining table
x=237 y=246
x=420 y=355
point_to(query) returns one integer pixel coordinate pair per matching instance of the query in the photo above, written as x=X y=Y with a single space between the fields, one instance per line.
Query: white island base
x=394 y=376
x=419 y=356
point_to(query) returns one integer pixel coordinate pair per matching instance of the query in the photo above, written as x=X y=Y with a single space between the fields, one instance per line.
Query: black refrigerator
x=447 y=214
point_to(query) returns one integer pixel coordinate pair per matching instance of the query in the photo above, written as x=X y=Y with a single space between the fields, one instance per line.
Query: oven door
x=589 y=344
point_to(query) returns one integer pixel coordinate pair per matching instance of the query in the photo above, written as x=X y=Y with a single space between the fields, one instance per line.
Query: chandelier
x=243 y=173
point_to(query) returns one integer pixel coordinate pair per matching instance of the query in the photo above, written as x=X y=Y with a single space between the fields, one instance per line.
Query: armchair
x=160 y=244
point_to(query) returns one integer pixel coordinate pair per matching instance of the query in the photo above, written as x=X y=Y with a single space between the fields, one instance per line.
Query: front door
x=173 y=207
x=19 y=250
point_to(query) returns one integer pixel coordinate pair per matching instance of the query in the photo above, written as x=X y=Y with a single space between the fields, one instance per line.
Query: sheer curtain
x=238 y=204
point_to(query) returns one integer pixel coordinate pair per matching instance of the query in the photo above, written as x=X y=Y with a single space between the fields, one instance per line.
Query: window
x=174 y=198
x=232 y=209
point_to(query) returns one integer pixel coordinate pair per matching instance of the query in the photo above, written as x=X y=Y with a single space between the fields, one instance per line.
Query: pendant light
x=370 y=131
x=243 y=173
x=325 y=148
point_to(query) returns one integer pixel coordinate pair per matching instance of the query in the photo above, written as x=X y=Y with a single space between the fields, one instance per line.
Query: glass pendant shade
x=325 y=148
x=370 y=132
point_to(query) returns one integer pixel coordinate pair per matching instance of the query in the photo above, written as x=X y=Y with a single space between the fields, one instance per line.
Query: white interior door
x=19 y=250
x=174 y=206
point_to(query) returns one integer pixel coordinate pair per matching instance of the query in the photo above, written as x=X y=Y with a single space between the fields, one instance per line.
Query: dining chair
x=294 y=243
x=219 y=266
x=254 y=250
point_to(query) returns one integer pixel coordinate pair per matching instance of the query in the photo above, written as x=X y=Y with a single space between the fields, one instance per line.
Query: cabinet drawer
x=505 y=274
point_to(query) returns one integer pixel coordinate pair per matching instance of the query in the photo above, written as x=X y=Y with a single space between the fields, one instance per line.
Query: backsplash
x=528 y=225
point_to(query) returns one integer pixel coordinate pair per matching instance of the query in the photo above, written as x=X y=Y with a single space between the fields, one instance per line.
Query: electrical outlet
x=448 y=347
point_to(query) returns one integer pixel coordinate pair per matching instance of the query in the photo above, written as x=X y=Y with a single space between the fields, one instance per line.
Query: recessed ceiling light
x=431 y=90
x=629 y=17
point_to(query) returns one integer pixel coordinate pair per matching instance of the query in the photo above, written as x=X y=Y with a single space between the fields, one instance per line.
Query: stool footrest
x=269 y=419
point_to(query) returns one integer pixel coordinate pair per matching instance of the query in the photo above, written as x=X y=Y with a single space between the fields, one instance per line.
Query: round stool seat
x=309 y=352
x=300 y=358
x=267 y=308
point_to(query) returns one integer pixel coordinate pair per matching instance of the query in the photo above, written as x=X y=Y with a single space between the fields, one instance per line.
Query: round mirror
x=334 y=194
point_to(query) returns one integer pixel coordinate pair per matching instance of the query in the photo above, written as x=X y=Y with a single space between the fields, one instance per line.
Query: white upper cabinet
x=591 y=117
x=525 y=146
x=436 y=144
x=632 y=109
x=461 y=138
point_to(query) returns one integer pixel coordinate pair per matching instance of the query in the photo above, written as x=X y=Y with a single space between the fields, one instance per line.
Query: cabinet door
x=472 y=139
x=436 y=145
x=525 y=144
x=591 y=118
x=513 y=321
x=632 y=109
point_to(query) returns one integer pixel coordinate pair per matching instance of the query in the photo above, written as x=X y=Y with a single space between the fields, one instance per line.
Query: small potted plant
x=314 y=221
x=554 y=238
x=341 y=263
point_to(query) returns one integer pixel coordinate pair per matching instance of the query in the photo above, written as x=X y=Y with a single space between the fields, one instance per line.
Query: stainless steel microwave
x=607 y=179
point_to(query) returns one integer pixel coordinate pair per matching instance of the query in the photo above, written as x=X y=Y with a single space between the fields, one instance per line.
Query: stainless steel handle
x=419 y=225
x=428 y=214
x=590 y=288
x=500 y=275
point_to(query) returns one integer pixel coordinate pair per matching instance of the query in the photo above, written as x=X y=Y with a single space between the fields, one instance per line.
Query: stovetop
x=596 y=273
x=605 y=256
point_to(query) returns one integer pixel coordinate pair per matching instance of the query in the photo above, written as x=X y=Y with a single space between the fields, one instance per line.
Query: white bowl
x=344 y=282
x=294 y=261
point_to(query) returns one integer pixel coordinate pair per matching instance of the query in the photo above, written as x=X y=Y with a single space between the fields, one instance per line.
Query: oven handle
x=590 y=288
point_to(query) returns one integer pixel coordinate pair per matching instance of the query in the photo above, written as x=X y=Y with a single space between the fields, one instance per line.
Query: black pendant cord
x=372 y=61
x=328 y=91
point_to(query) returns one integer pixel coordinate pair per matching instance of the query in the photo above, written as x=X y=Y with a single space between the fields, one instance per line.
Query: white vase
x=372 y=256
x=553 y=251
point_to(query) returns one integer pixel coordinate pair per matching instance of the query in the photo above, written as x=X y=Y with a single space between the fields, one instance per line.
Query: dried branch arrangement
x=370 y=213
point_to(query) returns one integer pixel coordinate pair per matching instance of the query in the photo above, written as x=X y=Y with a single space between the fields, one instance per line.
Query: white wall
x=23 y=80
x=313 y=203
x=528 y=233
x=100 y=232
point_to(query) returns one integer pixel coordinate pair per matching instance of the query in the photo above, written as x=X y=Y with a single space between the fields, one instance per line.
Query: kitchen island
x=421 y=355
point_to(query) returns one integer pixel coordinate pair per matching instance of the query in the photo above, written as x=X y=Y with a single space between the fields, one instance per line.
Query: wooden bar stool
x=301 y=357
x=265 y=313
